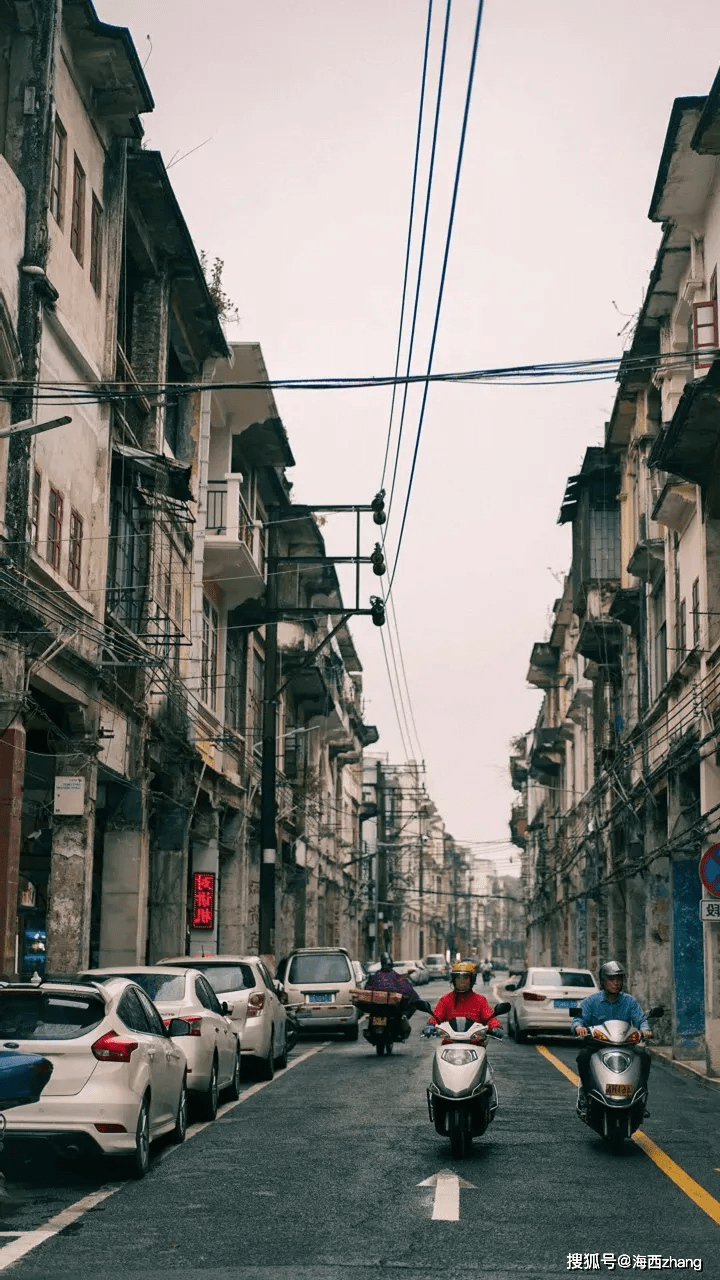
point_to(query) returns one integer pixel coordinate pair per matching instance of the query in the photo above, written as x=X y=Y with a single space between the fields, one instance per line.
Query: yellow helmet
x=462 y=967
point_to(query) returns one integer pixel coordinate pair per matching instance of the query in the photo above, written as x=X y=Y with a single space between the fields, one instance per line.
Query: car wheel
x=281 y=1062
x=139 y=1161
x=209 y=1100
x=267 y=1065
x=521 y=1037
x=234 y=1086
x=178 y=1133
x=352 y=1033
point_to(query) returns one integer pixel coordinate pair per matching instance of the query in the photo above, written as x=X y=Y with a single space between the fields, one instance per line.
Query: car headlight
x=616 y=1061
x=459 y=1057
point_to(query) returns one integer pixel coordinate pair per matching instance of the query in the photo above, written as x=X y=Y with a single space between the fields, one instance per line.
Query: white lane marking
x=446 y=1206
x=10 y=1253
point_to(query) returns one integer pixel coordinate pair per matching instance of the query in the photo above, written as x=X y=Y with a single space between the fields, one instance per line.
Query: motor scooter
x=462 y=1098
x=387 y=1017
x=616 y=1099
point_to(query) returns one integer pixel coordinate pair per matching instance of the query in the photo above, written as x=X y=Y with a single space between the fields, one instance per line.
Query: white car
x=119 y=1077
x=253 y=1005
x=211 y=1047
x=542 y=998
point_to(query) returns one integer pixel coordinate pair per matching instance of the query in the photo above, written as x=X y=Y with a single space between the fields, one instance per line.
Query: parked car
x=254 y=1006
x=360 y=974
x=212 y=1047
x=418 y=975
x=318 y=982
x=437 y=966
x=119 y=1075
x=542 y=998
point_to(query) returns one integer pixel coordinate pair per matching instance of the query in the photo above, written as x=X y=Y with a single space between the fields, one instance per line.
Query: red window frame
x=55 y=520
x=57 y=180
x=35 y=509
x=705 y=331
x=75 y=549
x=96 y=244
x=77 y=218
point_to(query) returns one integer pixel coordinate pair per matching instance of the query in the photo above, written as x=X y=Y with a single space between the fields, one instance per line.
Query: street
x=317 y=1174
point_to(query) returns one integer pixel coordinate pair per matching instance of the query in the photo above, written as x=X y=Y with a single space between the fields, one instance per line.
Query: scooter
x=617 y=1098
x=387 y=1017
x=462 y=1098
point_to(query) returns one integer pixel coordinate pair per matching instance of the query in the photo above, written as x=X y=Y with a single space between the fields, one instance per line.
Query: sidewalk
x=694 y=1067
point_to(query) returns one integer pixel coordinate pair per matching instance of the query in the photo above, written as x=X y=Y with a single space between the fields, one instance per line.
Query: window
x=55 y=519
x=659 y=638
x=235 y=680
x=132 y=1013
x=696 y=613
x=705 y=332
x=682 y=631
x=35 y=510
x=208 y=674
x=38 y=1016
x=319 y=968
x=57 y=178
x=96 y=244
x=75 y=550
x=77 y=219
x=257 y=692
x=127 y=556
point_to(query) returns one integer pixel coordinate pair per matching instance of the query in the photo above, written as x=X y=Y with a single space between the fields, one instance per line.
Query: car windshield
x=43 y=1016
x=328 y=968
x=561 y=978
x=434 y=960
x=227 y=977
x=159 y=986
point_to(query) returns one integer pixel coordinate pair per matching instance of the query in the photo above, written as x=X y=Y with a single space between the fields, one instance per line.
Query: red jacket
x=468 y=1004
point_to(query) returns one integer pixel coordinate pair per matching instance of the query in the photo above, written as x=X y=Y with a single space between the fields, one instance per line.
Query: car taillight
x=532 y=995
x=256 y=1004
x=193 y=1020
x=114 y=1048
x=110 y=1128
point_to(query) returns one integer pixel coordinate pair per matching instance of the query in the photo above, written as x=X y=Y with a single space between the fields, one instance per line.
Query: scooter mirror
x=576 y=1013
x=502 y=1008
x=657 y=1011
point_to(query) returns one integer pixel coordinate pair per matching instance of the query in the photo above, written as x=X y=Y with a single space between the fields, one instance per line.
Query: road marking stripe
x=10 y=1253
x=446 y=1207
x=673 y=1171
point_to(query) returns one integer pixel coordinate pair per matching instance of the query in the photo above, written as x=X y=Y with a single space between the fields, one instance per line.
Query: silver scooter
x=462 y=1098
x=616 y=1099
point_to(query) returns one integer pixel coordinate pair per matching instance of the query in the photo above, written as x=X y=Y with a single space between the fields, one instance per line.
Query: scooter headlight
x=459 y=1056
x=616 y=1061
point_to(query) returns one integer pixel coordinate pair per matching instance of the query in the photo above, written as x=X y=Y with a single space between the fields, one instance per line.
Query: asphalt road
x=315 y=1176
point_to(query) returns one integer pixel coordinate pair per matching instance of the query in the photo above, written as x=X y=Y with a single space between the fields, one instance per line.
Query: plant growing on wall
x=226 y=308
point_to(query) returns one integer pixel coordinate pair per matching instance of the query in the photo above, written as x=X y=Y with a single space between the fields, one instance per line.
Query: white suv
x=318 y=982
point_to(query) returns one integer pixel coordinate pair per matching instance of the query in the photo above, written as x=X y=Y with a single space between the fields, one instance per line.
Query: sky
x=289 y=128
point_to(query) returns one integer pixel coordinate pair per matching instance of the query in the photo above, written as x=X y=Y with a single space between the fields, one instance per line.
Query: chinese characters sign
x=203 y=899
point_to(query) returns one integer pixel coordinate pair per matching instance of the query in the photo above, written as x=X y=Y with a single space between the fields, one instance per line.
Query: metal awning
x=175 y=473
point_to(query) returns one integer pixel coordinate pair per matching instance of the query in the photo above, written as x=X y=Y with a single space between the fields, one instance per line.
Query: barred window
x=54 y=535
x=208 y=674
x=57 y=178
x=235 y=670
x=75 y=550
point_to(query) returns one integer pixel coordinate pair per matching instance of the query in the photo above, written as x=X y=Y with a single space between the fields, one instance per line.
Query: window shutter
x=705 y=332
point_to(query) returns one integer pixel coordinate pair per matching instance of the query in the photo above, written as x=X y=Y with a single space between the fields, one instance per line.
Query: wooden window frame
x=696 y=613
x=54 y=527
x=77 y=212
x=209 y=657
x=58 y=172
x=705 y=317
x=75 y=549
x=35 y=494
x=96 y=243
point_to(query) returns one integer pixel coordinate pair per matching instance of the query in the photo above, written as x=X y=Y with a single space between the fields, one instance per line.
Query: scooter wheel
x=380 y=1049
x=388 y=1048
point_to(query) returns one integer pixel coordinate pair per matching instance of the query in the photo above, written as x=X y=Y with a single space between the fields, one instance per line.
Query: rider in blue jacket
x=610 y=1002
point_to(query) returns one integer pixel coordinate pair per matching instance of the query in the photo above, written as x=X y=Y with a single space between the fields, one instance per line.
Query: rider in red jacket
x=463 y=1002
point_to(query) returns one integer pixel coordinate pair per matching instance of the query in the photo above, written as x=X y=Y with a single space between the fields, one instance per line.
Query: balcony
x=676 y=504
x=234 y=543
x=543 y=669
x=687 y=446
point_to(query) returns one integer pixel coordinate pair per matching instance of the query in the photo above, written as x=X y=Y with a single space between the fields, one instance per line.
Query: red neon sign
x=203 y=900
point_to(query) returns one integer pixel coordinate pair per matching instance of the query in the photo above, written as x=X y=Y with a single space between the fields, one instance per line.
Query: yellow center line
x=673 y=1171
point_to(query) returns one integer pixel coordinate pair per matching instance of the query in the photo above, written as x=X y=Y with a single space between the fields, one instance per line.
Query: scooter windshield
x=461 y=1025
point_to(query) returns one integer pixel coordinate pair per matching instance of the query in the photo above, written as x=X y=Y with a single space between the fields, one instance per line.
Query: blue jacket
x=597 y=1009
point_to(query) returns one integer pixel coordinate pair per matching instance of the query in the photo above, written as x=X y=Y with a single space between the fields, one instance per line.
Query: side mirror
x=657 y=1011
x=505 y=1007
x=226 y=1008
x=178 y=1027
x=511 y=986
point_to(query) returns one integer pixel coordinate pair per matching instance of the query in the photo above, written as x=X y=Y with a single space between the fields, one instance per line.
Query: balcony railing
x=227 y=516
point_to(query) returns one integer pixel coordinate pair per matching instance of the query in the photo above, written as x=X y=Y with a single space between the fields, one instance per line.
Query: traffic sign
x=709 y=910
x=710 y=870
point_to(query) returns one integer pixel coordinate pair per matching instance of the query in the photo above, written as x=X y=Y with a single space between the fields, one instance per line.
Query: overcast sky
x=304 y=116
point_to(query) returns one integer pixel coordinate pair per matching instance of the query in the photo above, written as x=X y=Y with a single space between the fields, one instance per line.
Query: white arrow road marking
x=447 y=1184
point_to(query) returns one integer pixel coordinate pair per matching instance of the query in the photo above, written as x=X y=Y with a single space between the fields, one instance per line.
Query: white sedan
x=542 y=998
x=212 y=1047
x=119 y=1077
x=253 y=1004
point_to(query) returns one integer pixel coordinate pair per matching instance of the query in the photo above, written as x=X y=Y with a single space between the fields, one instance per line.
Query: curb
x=681 y=1068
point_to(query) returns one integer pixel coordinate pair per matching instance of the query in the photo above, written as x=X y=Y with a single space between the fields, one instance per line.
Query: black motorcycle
x=388 y=1015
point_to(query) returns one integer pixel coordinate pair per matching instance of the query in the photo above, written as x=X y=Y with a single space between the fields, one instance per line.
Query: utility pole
x=268 y=795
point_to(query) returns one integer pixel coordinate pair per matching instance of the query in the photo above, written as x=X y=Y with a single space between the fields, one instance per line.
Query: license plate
x=619 y=1090
x=320 y=997
x=378 y=1022
x=564 y=1004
